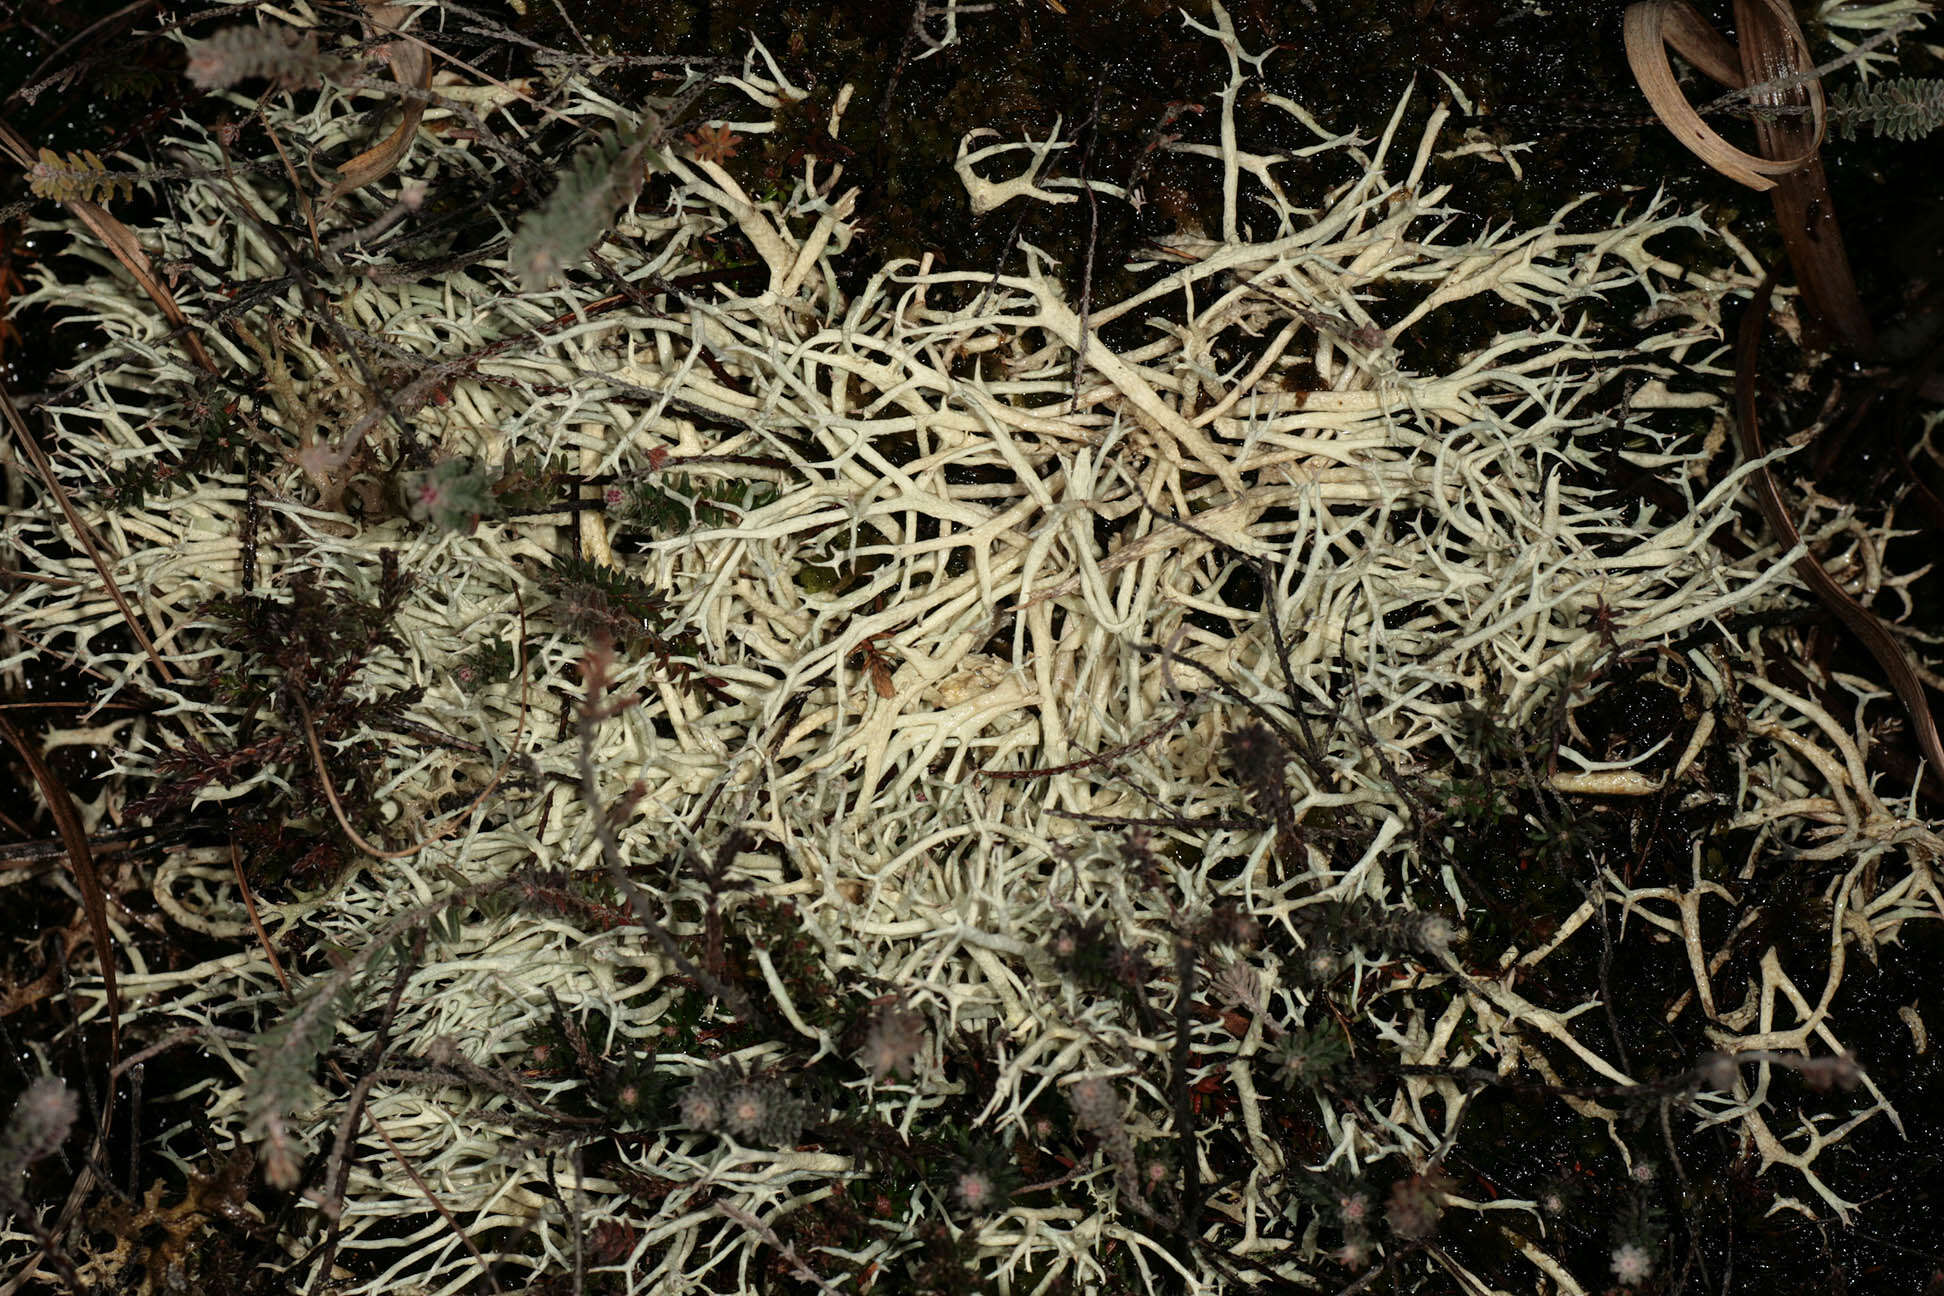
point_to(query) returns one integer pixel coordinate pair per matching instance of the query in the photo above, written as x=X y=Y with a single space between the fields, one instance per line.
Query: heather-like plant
x=1310 y=1055
x=980 y=1179
x=1902 y=108
x=1417 y=1203
x=41 y=1120
x=680 y=503
x=79 y=177
x=453 y=494
x=755 y=1108
x=287 y=58
x=895 y=1039
x=604 y=177
x=307 y=748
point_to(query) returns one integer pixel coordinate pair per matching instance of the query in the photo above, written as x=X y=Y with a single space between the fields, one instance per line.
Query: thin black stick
x=1184 y=1104
x=1093 y=237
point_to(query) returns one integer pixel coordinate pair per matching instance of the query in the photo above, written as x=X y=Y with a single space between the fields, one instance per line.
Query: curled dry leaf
x=1653 y=26
x=412 y=65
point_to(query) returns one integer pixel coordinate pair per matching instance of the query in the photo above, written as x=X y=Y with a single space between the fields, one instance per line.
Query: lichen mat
x=1138 y=773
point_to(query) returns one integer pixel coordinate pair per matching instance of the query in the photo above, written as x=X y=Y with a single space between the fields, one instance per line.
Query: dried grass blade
x=45 y=471
x=411 y=63
x=1865 y=624
x=117 y=238
x=1656 y=24
x=1805 y=214
x=80 y=863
